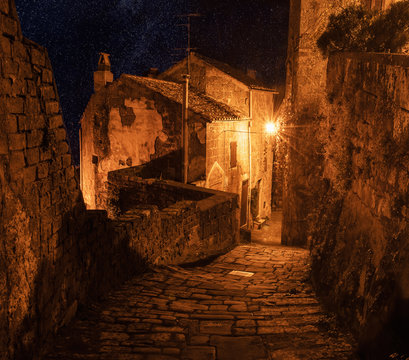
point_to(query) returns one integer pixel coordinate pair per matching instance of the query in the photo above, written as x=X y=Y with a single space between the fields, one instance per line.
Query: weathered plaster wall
x=360 y=228
x=230 y=91
x=220 y=174
x=173 y=222
x=126 y=125
x=262 y=104
x=262 y=152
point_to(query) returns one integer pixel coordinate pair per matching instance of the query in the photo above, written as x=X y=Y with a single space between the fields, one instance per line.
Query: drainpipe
x=185 y=128
x=249 y=151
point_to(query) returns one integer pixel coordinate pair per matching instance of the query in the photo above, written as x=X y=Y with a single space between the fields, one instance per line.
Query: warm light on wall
x=272 y=128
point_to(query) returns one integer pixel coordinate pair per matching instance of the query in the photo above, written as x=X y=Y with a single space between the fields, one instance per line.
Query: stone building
x=138 y=120
x=244 y=93
x=306 y=78
x=346 y=182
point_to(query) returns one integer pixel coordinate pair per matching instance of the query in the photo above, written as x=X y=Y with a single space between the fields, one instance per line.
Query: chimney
x=153 y=72
x=103 y=75
x=252 y=73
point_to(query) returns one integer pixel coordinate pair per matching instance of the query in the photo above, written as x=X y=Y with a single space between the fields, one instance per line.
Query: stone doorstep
x=258 y=223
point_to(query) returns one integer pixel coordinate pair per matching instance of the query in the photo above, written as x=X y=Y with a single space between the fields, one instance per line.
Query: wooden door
x=243 y=207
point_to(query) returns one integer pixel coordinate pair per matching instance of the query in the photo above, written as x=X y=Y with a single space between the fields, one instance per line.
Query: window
x=233 y=154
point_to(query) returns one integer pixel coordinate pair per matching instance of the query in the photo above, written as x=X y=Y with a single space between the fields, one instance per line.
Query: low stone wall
x=173 y=222
x=160 y=193
x=359 y=226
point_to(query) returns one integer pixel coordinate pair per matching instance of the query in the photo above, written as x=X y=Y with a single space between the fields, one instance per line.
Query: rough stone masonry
x=54 y=255
x=347 y=179
x=48 y=243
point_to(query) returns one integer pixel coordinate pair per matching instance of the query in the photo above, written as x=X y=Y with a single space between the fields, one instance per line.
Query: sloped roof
x=198 y=102
x=229 y=70
x=233 y=72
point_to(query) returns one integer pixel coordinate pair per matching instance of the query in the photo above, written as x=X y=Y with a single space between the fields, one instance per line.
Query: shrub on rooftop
x=356 y=28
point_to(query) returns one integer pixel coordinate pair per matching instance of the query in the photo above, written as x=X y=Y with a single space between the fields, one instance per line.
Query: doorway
x=243 y=207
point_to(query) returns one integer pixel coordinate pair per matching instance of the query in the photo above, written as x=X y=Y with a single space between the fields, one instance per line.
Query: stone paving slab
x=206 y=313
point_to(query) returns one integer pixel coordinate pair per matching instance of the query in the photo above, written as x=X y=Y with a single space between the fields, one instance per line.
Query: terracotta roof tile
x=199 y=103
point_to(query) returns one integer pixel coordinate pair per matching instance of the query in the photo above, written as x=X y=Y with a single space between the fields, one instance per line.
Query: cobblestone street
x=205 y=312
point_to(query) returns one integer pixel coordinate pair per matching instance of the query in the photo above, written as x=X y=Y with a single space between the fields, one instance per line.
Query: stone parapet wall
x=151 y=191
x=173 y=222
x=359 y=226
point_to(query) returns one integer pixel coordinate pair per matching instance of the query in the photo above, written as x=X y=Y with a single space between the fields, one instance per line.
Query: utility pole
x=185 y=105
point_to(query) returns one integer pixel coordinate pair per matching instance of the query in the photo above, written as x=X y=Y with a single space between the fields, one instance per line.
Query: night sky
x=140 y=34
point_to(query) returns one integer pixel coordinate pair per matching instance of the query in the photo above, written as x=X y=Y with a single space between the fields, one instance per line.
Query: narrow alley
x=255 y=302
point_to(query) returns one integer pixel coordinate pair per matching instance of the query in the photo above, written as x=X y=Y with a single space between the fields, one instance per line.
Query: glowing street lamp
x=272 y=128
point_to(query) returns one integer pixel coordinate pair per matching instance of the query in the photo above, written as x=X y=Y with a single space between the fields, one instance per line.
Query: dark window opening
x=95 y=159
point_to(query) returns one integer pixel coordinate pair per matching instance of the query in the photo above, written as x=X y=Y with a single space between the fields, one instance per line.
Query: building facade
x=138 y=120
x=243 y=93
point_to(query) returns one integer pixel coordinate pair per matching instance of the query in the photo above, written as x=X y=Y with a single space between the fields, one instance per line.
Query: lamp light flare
x=272 y=128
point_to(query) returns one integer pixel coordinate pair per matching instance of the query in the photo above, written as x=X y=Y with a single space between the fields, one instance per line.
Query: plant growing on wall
x=390 y=29
x=347 y=31
x=358 y=29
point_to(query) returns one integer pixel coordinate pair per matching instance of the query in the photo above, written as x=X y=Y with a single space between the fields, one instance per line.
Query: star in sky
x=140 y=34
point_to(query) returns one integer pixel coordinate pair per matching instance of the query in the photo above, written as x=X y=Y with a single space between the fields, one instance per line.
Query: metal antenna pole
x=185 y=131
x=188 y=45
x=185 y=102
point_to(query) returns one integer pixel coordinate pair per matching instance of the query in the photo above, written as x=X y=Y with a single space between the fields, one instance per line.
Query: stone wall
x=346 y=178
x=53 y=254
x=213 y=82
x=360 y=227
x=150 y=192
x=302 y=111
x=173 y=222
